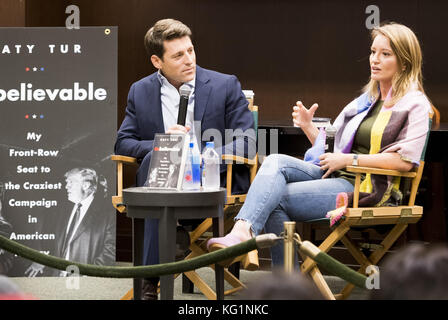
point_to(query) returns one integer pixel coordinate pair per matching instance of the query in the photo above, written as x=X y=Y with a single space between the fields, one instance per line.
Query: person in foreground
x=385 y=127
x=415 y=272
x=280 y=285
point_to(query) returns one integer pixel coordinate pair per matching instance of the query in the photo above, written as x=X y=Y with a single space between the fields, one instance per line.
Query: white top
x=170 y=97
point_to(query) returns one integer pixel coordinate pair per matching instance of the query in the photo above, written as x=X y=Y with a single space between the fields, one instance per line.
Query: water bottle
x=192 y=175
x=210 y=170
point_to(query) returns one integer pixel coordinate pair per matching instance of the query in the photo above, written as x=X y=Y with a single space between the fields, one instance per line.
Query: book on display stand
x=166 y=168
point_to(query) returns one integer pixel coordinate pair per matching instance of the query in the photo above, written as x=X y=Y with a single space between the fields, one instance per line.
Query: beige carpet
x=90 y=288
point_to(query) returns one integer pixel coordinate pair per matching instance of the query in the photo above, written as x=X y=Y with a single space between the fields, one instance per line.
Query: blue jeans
x=288 y=189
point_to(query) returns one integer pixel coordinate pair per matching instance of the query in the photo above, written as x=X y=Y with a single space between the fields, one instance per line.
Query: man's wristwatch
x=355 y=160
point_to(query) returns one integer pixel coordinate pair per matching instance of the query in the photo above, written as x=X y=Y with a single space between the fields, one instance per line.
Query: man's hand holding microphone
x=180 y=127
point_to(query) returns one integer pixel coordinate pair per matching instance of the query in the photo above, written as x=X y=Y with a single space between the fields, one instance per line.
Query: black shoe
x=182 y=243
x=149 y=289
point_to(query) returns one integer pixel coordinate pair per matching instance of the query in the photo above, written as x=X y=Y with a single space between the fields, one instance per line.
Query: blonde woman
x=385 y=127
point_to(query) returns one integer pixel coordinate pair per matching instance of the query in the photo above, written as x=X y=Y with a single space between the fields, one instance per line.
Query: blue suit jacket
x=219 y=104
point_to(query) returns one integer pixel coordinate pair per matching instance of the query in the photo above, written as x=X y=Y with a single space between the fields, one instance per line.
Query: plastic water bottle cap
x=191 y=144
x=249 y=94
x=210 y=144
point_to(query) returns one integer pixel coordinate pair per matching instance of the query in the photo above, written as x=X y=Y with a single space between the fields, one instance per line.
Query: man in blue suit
x=217 y=108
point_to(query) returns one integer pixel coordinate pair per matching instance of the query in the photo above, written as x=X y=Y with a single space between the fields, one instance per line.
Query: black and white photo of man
x=172 y=177
x=85 y=228
x=88 y=232
x=152 y=177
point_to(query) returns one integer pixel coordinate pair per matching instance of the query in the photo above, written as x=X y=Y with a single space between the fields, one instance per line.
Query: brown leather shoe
x=149 y=289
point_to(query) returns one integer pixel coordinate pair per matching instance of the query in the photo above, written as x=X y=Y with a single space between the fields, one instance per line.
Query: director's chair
x=397 y=218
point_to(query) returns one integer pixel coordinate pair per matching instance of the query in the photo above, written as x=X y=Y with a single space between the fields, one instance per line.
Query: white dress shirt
x=170 y=97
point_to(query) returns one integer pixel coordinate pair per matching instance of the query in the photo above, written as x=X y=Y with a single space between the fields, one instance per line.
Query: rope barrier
x=266 y=240
x=338 y=269
x=329 y=263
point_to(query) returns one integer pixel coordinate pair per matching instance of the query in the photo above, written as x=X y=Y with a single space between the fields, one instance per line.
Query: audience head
x=414 y=272
x=10 y=291
x=280 y=285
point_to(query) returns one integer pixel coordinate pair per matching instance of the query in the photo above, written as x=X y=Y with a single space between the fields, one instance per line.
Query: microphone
x=330 y=132
x=184 y=91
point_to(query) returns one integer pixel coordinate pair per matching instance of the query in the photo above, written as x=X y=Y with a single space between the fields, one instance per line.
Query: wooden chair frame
x=201 y=234
x=399 y=216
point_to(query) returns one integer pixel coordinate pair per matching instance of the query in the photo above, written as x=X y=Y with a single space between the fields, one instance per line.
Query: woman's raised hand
x=302 y=116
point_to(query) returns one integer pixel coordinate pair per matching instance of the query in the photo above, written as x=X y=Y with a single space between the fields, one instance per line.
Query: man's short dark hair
x=166 y=29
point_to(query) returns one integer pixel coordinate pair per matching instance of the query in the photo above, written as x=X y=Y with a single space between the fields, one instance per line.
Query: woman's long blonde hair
x=406 y=48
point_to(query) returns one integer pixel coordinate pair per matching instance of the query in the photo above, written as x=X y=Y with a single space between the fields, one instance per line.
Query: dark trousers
x=151 y=238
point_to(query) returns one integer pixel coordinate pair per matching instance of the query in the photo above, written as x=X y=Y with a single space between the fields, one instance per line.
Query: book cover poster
x=58 y=109
x=167 y=161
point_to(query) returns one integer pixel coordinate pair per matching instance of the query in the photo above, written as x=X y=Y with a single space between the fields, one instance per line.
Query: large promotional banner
x=58 y=126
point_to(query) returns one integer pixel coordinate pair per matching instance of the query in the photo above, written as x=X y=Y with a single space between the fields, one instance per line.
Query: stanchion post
x=288 y=241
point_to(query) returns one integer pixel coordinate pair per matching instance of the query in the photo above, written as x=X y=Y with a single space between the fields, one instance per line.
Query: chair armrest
x=117 y=200
x=124 y=159
x=232 y=159
x=386 y=172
